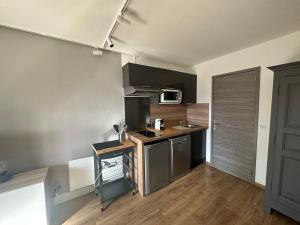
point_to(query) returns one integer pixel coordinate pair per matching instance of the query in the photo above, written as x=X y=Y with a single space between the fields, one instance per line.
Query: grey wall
x=56 y=99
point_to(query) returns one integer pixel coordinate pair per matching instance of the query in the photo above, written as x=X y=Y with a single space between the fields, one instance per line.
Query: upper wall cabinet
x=140 y=75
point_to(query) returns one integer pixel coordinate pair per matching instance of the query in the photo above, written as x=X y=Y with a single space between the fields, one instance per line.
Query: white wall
x=277 y=51
x=81 y=173
x=56 y=100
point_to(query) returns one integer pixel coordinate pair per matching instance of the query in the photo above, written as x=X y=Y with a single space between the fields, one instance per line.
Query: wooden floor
x=204 y=197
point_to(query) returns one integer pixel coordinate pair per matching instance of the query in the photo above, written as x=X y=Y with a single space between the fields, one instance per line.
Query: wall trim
x=72 y=194
x=260 y=186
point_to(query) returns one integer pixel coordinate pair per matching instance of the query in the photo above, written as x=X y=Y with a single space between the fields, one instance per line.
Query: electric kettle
x=159 y=124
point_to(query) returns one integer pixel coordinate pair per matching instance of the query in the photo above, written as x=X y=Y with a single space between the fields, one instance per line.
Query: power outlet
x=56 y=190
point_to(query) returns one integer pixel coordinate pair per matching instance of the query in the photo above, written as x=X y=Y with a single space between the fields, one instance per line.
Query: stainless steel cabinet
x=157 y=166
x=180 y=156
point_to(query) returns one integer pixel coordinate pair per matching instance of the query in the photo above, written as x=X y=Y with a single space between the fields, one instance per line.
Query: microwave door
x=170 y=96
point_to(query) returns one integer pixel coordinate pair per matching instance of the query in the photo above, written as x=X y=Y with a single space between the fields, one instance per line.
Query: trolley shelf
x=115 y=189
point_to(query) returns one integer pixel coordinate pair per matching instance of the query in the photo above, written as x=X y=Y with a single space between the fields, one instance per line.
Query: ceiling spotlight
x=121 y=19
x=110 y=43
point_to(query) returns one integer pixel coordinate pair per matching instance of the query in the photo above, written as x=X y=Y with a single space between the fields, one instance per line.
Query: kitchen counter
x=125 y=144
x=164 y=134
x=140 y=140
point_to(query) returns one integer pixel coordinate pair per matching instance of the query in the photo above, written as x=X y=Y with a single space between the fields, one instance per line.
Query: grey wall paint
x=56 y=99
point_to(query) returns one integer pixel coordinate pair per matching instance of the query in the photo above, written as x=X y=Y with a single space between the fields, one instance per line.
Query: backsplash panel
x=172 y=114
x=198 y=114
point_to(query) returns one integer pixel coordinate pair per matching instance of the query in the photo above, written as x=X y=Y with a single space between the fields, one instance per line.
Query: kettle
x=159 y=124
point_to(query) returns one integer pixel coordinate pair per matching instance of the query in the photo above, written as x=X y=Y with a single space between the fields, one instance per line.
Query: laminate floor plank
x=206 y=196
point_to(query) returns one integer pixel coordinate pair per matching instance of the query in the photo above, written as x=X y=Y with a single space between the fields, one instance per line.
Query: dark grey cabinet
x=198 y=148
x=190 y=90
x=141 y=75
x=137 y=112
x=283 y=175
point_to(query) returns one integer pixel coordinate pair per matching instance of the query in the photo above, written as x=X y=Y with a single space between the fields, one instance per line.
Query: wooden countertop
x=164 y=134
x=125 y=144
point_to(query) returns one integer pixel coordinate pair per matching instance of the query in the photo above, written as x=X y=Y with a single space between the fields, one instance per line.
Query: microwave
x=170 y=96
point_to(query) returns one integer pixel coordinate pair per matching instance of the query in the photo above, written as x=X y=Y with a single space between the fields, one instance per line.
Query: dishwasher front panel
x=157 y=166
x=180 y=156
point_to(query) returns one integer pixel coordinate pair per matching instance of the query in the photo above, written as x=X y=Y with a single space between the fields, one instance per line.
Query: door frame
x=254 y=150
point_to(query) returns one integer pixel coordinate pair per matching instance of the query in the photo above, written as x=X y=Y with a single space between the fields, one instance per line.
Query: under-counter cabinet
x=157 y=165
x=180 y=156
x=141 y=154
x=198 y=148
x=283 y=175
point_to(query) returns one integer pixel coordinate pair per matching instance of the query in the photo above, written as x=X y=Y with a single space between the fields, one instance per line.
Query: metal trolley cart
x=114 y=170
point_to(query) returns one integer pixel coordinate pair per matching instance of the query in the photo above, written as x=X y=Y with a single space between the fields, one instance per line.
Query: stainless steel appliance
x=180 y=156
x=157 y=166
x=170 y=96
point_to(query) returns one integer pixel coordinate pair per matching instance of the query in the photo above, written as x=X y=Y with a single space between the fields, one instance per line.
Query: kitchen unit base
x=142 y=141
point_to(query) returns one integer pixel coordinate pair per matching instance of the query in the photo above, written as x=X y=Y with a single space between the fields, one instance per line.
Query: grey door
x=286 y=175
x=234 y=122
x=180 y=156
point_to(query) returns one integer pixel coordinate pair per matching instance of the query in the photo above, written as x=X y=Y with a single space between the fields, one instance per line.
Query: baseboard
x=209 y=164
x=72 y=194
x=261 y=186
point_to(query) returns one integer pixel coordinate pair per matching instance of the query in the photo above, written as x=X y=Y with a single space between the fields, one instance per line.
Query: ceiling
x=193 y=31
x=82 y=21
x=176 y=31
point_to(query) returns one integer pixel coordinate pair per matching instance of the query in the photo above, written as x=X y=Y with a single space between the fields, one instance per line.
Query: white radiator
x=81 y=173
